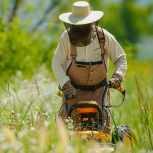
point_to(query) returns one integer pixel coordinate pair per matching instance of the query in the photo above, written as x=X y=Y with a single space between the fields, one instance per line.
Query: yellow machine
x=92 y=122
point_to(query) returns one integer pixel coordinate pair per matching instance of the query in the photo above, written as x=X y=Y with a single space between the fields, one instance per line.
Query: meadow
x=29 y=104
x=29 y=113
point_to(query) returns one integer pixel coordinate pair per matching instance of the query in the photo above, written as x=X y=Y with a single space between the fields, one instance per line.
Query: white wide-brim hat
x=81 y=14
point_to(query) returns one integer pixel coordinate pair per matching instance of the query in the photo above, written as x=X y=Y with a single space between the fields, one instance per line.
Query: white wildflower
x=28 y=103
x=33 y=148
x=18 y=115
x=53 y=145
x=33 y=141
x=54 y=102
x=66 y=120
x=4 y=146
x=32 y=128
x=21 y=91
x=25 y=81
x=18 y=73
x=36 y=112
x=46 y=80
x=2 y=137
x=46 y=123
x=23 y=122
x=32 y=85
x=22 y=133
x=34 y=104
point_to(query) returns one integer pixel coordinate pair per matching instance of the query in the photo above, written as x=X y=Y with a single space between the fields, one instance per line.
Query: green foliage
x=22 y=51
x=25 y=46
x=126 y=21
x=135 y=20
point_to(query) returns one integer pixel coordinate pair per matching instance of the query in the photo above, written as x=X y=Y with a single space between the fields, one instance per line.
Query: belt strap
x=90 y=88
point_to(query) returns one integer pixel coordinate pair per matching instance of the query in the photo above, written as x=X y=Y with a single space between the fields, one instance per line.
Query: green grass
x=28 y=110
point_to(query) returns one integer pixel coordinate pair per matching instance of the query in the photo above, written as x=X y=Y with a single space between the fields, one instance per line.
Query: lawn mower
x=92 y=117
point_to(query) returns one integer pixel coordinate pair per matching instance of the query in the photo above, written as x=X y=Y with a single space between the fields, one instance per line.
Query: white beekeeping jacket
x=90 y=53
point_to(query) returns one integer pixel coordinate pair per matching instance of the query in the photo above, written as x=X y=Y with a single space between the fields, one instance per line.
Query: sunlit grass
x=29 y=116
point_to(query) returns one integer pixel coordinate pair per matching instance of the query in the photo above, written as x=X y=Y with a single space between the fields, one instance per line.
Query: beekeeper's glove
x=115 y=81
x=70 y=92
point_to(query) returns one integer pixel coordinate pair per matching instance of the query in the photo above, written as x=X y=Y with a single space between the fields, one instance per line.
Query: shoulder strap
x=73 y=52
x=101 y=39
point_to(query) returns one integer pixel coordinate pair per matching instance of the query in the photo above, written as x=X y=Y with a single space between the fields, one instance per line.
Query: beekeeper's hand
x=70 y=92
x=115 y=81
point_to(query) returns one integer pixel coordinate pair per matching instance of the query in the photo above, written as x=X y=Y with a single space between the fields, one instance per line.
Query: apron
x=88 y=75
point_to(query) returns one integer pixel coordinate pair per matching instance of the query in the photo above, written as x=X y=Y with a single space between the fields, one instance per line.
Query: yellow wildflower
x=58 y=93
x=37 y=105
x=4 y=112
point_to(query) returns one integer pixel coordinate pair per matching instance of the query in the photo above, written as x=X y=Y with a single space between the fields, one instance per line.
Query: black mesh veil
x=81 y=35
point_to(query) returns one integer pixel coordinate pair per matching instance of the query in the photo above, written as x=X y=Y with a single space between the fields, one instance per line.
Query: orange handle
x=121 y=89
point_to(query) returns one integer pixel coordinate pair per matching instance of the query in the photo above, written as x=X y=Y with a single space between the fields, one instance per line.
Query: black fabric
x=102 y=38
x=90 y=88
x=99 y=38
x=88 y=63
x=68 y=68
x=81 y=36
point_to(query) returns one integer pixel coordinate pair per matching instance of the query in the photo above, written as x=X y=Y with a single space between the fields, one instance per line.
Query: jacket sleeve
x=59 y=59
x=116 y=54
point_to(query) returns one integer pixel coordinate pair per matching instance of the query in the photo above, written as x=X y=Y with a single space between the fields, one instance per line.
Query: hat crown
x=81 y=9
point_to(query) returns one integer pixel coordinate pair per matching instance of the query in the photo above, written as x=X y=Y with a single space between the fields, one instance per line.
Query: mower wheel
x=124 y=134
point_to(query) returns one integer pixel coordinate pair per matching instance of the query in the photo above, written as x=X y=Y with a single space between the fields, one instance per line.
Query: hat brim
x=69 y=18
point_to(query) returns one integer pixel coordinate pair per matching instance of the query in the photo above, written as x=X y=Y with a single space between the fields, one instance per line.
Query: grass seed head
x=63 y=137
x=42 y=140
x=9 y=135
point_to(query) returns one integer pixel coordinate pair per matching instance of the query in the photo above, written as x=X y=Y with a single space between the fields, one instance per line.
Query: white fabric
x=69 y=18
x=90 y=53
x=81 y=14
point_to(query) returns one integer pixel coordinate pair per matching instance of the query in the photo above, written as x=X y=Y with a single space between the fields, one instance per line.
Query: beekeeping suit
x=81 y=59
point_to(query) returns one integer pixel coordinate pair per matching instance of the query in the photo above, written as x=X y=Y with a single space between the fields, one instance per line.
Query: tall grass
x=144 y=124
x=28 y=113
